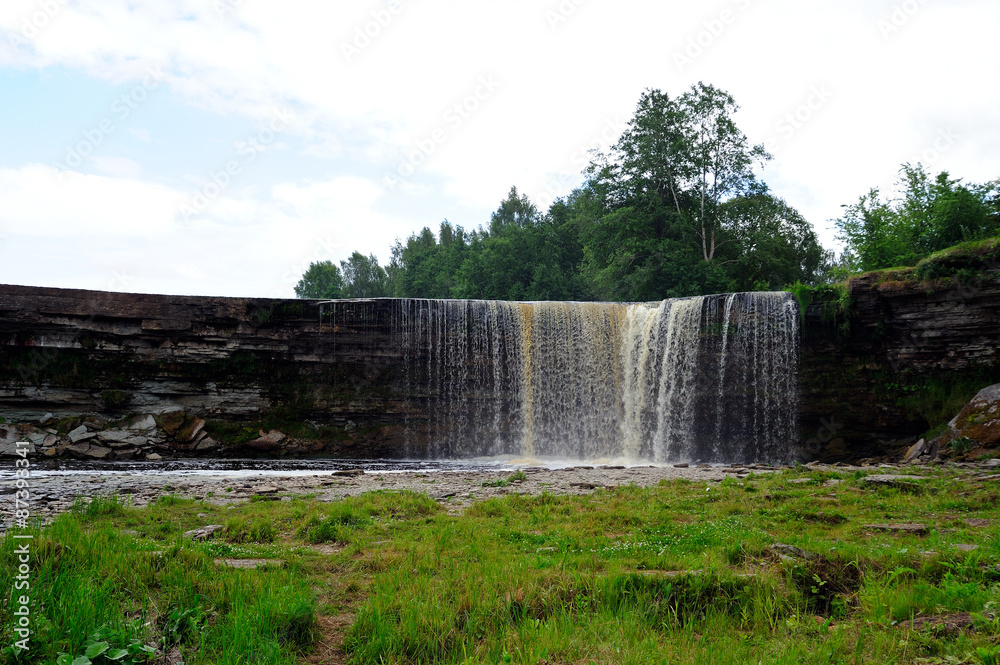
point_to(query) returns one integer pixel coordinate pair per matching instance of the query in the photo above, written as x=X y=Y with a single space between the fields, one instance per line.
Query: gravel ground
x=51 y=494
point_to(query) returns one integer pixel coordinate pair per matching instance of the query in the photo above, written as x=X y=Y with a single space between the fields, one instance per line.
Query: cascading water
x=710 y=378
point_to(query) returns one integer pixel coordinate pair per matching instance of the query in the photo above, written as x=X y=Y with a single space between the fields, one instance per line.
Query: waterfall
x=708 y=378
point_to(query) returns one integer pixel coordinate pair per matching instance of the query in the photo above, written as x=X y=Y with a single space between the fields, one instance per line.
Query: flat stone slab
x=949 y=623
x=792 y=552
x=204 y=533
x=915 y=529
x=901 y=482
x=978 y=522
x=249 y=564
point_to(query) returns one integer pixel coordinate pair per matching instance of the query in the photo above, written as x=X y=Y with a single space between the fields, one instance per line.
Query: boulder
x=979 y=420
x=190 y=430
x=81 y=433
x=269 y=442
x=113 y=436
x=204 y=533
x=922 y=451
x=11 y=449
x=88 y=450
x=207 y=443
x=142 y=423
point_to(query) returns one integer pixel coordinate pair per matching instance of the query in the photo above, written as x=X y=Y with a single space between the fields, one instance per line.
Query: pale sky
x=217 y=147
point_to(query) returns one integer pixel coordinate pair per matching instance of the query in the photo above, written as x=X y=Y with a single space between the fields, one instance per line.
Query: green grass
x=683 y=572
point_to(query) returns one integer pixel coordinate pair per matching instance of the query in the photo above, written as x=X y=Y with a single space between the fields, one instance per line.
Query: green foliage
x=100 y=505
x=926 y=216
x=322 y=280
x=961 y=445
x=673 y=209
x=364 y=277
x=99 y=651
x=244 y=530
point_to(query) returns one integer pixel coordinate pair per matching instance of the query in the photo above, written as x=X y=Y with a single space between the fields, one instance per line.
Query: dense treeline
x=674 y=208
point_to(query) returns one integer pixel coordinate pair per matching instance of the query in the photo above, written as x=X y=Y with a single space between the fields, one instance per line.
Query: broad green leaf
x=116 y=654
x=96 y=649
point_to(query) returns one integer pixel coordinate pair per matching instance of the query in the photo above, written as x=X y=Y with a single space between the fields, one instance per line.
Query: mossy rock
x=979 y=421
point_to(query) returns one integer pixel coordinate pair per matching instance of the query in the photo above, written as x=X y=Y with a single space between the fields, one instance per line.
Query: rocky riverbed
x=54 y=493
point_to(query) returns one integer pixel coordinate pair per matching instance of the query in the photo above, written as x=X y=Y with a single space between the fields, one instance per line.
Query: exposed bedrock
x=250 y=366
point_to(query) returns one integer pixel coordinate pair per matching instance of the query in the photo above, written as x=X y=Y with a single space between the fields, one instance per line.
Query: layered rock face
x=248 y=366
x=233 y=360
x=906 y=353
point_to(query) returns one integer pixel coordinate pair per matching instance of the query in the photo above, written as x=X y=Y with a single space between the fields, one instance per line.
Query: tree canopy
x=925 y=215
x=675 y=207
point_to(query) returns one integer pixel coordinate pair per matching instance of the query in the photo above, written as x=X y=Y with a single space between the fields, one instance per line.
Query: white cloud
x=560 y=86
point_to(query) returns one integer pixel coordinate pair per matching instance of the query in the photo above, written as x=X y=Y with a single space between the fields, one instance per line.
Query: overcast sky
x=216 y=147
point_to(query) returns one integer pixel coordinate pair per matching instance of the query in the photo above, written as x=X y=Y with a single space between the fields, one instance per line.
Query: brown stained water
x=709 y=378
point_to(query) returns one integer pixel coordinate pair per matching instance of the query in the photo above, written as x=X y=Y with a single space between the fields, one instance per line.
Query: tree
x=720 y=159
x=363 y=277
x=773 y=244
x=321 y=280
x=425 y=267
x=927 y=215
x=516 y=211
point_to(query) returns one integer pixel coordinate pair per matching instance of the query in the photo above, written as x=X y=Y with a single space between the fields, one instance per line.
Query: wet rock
x=46 y=418
x=204 y=533
x=153 y=457
x=681 y=465
x=349 y=472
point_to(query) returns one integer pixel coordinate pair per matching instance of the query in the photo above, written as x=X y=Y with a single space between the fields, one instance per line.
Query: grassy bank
x=683 y=572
